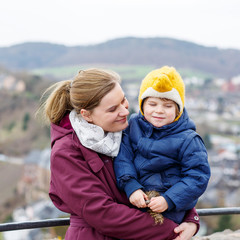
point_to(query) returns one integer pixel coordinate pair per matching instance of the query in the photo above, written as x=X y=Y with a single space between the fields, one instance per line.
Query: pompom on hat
x=165 y=82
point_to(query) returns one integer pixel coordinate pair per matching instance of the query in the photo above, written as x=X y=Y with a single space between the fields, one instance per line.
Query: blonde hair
x=85 y=91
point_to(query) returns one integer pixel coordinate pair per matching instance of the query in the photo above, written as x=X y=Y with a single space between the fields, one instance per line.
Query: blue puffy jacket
x=171 y=160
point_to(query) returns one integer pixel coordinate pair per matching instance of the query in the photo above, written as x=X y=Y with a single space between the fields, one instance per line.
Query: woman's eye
x=112 y=110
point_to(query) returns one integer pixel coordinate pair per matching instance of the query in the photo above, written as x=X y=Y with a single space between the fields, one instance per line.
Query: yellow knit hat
x=165 y=82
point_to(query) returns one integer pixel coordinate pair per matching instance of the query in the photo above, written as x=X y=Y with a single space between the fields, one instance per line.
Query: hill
x=20 y=130
x=128 y=51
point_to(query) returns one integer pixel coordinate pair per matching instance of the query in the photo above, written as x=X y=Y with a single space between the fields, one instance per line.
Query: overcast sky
x=78 y=22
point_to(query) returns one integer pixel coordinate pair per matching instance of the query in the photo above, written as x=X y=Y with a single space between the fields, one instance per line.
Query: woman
x=87 y=116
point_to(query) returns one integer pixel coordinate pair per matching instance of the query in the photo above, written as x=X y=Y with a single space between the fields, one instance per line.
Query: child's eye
x=152 y=104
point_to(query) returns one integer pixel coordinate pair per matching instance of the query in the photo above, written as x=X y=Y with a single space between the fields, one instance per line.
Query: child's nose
x=159 y=109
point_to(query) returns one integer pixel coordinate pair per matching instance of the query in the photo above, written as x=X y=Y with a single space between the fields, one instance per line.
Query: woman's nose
x=124 y=110
x=126 y=104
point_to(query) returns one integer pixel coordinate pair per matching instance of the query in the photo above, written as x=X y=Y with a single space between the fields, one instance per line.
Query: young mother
x=87 y=116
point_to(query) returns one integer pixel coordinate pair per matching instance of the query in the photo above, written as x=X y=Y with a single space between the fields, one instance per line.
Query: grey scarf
x=93 y=137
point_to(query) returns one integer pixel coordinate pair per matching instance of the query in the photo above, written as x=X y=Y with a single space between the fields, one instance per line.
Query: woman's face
x=111 y=114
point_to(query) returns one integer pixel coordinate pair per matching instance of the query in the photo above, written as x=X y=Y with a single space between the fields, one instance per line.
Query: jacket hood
x=61 y=130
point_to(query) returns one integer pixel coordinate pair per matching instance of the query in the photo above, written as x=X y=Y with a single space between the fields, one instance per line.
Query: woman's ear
x=86 y=115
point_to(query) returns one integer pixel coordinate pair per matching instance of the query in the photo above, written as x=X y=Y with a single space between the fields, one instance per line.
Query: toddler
x=161 y=151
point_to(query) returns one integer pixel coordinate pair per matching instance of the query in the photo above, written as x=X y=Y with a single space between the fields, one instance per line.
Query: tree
x=26 y=119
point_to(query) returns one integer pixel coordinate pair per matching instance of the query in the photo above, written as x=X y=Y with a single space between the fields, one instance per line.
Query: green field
x=127 y=72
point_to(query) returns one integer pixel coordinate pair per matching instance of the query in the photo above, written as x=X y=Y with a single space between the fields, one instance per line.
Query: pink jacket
x=83 y=184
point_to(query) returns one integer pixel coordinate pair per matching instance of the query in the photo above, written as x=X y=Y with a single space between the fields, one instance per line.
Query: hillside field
x=127 y=72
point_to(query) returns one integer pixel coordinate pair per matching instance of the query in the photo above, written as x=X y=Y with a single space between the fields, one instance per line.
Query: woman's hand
x=138 y=198
x=185 y=230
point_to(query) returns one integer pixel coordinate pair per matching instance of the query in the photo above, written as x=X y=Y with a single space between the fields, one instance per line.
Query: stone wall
x=225 y=235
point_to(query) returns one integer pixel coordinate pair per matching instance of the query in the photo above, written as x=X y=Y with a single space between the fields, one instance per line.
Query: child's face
x=159 y=112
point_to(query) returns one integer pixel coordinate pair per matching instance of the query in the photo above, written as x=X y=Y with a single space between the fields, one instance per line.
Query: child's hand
x=138 y=198
x=158 y=204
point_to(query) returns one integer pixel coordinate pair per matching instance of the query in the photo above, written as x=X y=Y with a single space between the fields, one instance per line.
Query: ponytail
x=57 y=102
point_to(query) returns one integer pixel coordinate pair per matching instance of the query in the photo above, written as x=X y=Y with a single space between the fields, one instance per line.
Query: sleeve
x=195 y=174
x=124 y=168
x=86 y=195
x=192 y=216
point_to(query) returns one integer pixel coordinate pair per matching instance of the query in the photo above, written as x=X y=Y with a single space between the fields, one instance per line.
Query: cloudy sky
x=78 y=22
